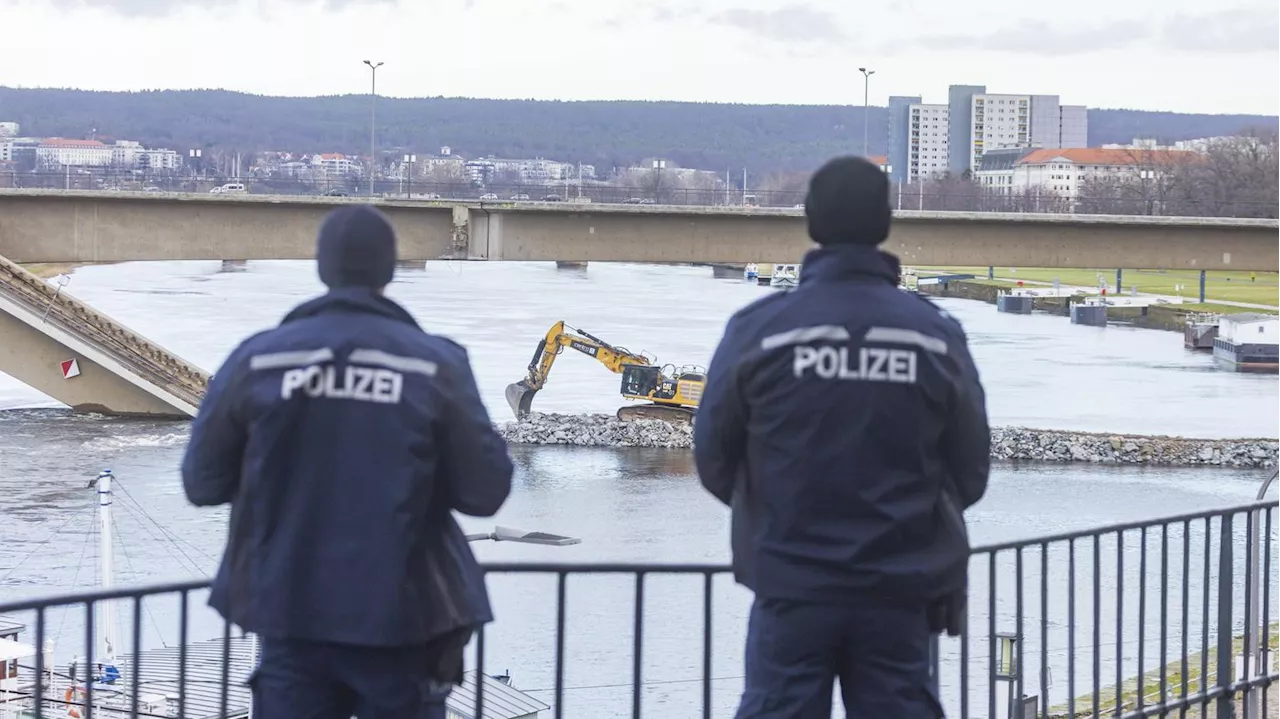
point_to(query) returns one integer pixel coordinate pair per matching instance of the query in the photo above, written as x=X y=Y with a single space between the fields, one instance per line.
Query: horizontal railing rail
x=1168 y=617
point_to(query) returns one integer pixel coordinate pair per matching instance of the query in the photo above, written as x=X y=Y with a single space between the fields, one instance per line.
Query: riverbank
x=1169 y=317
x=1007 y=443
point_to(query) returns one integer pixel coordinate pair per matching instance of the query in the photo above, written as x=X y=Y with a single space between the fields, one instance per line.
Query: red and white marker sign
x=70 y=368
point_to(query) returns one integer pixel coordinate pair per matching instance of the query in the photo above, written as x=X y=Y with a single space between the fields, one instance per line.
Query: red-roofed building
x=1062 y=170
x=60 y=152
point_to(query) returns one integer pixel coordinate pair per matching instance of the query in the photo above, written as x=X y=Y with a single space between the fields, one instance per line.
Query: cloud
x=1039 y=37
x=1237 y=30
x=795 y=24
x=164 y=8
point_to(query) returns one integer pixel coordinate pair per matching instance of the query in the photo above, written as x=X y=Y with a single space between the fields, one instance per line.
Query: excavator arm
x=615 y=359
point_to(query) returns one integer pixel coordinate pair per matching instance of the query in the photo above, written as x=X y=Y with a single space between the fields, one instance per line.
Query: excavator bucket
x=520 y=397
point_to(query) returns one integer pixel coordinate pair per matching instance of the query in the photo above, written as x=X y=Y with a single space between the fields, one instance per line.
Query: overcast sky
x=1184 y=55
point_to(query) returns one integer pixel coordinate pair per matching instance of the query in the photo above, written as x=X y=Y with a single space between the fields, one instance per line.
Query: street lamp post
x=1255 y=654
x=1007 y=668
x=373 y=119
x=866 y=102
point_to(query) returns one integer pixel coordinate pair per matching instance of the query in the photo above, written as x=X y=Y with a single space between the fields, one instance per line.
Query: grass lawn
x=1151 y=682
x=1230 y=286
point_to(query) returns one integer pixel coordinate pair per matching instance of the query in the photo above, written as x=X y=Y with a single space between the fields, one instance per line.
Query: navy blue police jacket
x=343 y=439
x=845 y=424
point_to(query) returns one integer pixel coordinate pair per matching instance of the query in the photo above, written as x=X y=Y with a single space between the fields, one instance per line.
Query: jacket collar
x=849 y=262
x=357 y=300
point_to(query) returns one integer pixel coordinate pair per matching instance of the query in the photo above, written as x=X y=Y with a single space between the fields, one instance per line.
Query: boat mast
x=106 y=609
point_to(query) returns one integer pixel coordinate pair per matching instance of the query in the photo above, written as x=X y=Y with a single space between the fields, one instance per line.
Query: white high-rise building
x=59 y=152
x=926 y=141
x=998 y=122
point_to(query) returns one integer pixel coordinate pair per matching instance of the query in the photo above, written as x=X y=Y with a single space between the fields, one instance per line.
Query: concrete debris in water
x=1007 y=443
x=596 y=430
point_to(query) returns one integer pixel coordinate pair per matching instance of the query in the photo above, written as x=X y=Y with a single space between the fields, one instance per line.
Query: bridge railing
x=1143 y=619
x=963 y=198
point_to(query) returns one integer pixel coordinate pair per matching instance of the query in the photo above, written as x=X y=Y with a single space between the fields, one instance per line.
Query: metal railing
x=1133 y=620
x=959 y=198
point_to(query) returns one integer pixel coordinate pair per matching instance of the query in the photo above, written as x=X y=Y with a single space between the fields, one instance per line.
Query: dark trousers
x=315 y=680
x=879 y=650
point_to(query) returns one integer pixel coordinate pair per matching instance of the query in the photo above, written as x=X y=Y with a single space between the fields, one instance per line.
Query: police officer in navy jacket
x=343 y=440
x=845 y=424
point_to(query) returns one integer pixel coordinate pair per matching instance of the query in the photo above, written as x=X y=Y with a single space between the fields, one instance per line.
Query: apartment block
x=926 y=152
x=898 y=136
x=976 y=122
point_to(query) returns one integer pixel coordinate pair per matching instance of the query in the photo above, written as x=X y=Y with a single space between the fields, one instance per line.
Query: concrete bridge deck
x=90 y=226
x=119 y=371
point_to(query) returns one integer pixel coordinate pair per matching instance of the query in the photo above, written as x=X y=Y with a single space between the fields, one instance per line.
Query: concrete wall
x=35 y=358
x=111 y=227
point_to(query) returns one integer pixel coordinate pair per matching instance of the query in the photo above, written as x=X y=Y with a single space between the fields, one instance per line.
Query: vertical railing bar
x=964 y=664
x=225 y=694
x=637 y=647
x=1142 y=615
x=135 y=671
x=1119 y=621
x=182 y=654
x=88 y=659
x=40 y=667
x=1071 y=628
x=706 y=644
x=1204 y=623
x=1186 y=614
x=1249 y=561
x=1164 y=613
x=1097 y=626
x=991 y=634
x=480 y=671
x=561 y=590
x=1019 y=690
x=1225 y=567
x=1044 y=628
x=1264 y=659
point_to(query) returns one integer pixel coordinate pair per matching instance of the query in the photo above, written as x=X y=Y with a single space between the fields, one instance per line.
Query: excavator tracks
x=671 y=415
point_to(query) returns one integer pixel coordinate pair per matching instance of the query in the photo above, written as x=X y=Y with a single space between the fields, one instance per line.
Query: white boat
x=63 y=692
x=785 y=276
x=751 y=272
x=163 y=690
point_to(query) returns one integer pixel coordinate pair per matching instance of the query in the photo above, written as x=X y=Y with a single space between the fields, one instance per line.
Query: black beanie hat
x=356 y=248
x=848 y=203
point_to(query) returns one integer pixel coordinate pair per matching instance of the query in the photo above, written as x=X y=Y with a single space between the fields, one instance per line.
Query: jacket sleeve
x=215 y=451
x=720 y=427
x=476 y=468
x=967 y=436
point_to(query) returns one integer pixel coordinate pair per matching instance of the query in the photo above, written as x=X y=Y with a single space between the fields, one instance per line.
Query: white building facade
x=1064 y=171
x=56 y=152
x=926 y=141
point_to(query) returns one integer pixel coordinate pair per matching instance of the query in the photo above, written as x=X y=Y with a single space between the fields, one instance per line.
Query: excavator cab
x=640 y=380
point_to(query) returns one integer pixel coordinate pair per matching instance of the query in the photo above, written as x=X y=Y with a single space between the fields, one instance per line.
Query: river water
x=625 y=504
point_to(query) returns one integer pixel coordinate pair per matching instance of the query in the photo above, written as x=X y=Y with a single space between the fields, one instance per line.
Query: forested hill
x=763 y=138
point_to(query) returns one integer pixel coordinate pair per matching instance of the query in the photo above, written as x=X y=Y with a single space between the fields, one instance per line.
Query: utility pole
x=866 y=101
x=373 y=120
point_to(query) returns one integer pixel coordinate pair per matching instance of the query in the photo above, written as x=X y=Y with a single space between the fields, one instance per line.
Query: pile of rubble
x=1007 y=443
x=596 y=430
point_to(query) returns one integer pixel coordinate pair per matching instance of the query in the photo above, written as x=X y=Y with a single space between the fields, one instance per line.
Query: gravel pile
x=596 y=430
x=1058 y=446
x=602 y=430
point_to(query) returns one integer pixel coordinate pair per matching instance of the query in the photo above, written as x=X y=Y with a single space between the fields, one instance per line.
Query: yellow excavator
x=668 y=393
